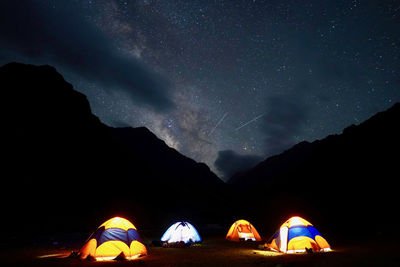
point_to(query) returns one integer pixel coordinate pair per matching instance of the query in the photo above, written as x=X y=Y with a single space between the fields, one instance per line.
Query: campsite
x=199 y=133
x=57 y=216
x=215 y=250
x=117 y=242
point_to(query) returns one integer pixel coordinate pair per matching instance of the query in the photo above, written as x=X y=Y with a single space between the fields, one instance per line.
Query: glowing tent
x=116 y=237
x=242 y=230
x=297 y=235
x=181 y=231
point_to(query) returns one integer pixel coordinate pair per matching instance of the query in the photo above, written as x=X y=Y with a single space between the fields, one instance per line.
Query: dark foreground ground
x=213 y=251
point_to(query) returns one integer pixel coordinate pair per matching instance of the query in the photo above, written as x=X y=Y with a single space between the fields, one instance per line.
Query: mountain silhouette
x=64 y=170
x=67 y=170
x=347 y=181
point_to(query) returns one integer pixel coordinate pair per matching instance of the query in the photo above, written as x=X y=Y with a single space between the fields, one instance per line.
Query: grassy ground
x=212 y=252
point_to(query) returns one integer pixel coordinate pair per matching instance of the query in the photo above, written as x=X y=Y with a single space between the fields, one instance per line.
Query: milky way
x=195 y=72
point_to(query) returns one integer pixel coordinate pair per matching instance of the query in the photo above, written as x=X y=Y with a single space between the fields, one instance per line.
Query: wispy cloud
x=63 y=37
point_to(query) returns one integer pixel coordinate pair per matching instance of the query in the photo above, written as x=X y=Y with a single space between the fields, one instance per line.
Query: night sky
x=228 y=83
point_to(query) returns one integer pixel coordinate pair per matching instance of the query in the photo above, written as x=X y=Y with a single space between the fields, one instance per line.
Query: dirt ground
x=213 y=251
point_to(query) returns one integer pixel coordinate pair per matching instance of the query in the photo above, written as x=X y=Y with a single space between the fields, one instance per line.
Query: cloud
x=283 y=122
x=63 y=37
x=229 y=162
x=281 y=125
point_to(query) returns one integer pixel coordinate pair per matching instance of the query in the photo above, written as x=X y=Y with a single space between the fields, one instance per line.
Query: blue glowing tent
x=181 y=231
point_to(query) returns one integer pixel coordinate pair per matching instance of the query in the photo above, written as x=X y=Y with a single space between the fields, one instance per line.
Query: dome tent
x=116 y=237
x=181 y=232
x=297 y=235
x=242 y=230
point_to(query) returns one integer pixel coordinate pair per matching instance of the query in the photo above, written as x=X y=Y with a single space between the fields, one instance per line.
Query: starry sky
x=227 y=83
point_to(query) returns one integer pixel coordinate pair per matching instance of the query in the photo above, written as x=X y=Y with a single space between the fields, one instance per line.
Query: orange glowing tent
x=297 y=235
x=116 y=237
x=242 y=230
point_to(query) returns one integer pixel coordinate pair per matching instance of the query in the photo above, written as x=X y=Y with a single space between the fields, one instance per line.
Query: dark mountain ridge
x=375 y=127
x=67 y=168
x=347 y=181
x=64 y=170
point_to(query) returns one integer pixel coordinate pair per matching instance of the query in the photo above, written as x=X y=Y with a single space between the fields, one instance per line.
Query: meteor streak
x=250 y=121
x=218 y=123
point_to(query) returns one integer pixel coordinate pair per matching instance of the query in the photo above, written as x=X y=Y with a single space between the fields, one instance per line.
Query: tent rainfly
x=116 y=237
x=242 y=230
x=181 y=231
x=297 y=235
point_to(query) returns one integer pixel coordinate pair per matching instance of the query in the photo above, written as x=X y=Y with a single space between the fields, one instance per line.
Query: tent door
x=284 y=238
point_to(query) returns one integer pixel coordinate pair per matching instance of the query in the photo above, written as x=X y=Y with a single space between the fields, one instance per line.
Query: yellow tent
x=242 y=230
x=297 y=235
x=116 y=237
